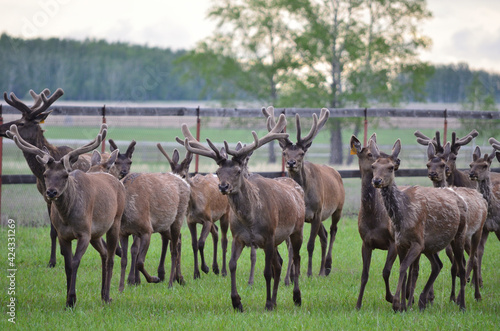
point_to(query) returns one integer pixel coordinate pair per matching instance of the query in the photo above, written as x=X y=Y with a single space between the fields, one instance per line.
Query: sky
x=461 y=30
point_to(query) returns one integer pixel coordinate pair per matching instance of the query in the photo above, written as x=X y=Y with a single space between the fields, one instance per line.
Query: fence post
x=198 y=125
x=282 y=157
x=365 y=129
x=445 y=131
x=103 y=145
x=1 y=159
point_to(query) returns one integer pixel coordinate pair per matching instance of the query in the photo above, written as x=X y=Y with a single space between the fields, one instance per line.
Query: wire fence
x=76 y=125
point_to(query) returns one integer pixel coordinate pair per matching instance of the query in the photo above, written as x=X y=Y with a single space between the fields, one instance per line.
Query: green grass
x=328 y=302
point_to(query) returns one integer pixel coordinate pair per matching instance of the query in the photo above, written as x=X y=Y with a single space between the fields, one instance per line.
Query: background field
x=328 y=302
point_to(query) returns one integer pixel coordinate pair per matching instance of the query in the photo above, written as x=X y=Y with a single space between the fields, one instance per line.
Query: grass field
x=328 y=303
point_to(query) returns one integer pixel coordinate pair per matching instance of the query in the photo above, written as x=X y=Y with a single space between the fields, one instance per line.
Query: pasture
x=328 y=302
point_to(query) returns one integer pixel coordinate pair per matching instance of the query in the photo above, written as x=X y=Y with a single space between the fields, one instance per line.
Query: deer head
x=294 y=152
x=365 y=156
x=385 y=165
x=181 y=169
x=29 y=123
x=480 y=166
x=100 y=164
x=56 y=172
x=437 y=167
x=232 y=172
x=123 y=162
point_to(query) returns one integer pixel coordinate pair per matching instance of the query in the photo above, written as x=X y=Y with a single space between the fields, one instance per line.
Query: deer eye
x=391 y=169
x=369 y=154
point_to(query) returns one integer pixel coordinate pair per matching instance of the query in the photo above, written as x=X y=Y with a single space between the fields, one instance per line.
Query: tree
x=354 y=52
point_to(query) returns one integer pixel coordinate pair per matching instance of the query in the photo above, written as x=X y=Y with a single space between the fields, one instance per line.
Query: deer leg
x=206 y=227
x=315 y=225
x=123 y=265
x=333 y=233
x=289 y=268
x=472 y=264
x=81 y=246
x=253 y=260
x=66 y=252
x=236 y=249
x=386 y=273
x=53 y=242
x=133 y=276
x=480 y=253
x=112 y=237
x=215 y=239
x=276 y=269
x=164 y=246
x=175 y=271
x=458 y=252
x=269 y=254
x=101 y=249
x=141 y=257
x=224 y=225
x=194 y=245
x=436 y=266
x=407 y=258
x=412 y=280
x=323 y=240
x=366 y=254
x=453 y=270
x=295 y=242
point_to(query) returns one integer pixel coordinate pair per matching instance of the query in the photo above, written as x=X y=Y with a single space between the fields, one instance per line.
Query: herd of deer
x=88 y=196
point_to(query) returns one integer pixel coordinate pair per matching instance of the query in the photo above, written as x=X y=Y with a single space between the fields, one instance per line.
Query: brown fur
x=425 y=220
x=266 y=211
x=324 y=192
x=85 y=206
x=30 y=130
x=373 y=221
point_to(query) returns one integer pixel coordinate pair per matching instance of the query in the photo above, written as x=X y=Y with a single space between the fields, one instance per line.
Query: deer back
x=156 y=200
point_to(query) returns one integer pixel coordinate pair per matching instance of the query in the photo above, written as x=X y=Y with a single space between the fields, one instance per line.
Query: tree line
x=93 y=70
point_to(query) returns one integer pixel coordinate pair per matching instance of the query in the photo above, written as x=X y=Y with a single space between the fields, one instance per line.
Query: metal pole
x=198 y=126
x=103 y=145
x=445 y=131
x=365 y=133
x=282 y=157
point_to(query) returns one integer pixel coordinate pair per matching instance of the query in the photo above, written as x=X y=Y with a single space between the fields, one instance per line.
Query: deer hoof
x=297 y=298
x=215 y=269
x=154 y=280
x=205 y=269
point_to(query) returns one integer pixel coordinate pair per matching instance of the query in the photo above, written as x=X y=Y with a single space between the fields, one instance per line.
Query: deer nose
x=432 y=174
x=291 y=163
x=224 y=188
x=51 y=193
x=377 y=182
x=123 y=173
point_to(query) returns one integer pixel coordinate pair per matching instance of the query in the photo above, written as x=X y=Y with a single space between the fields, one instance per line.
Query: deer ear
x=95 y=159
x=355 y=145
x=40 y=118
x=130 y=149
x=477 y=153
x=397 y=162
x=431 y=151
x=396 y=149
x=175 y=156
x=497 y=153
x=112 y=158
x=372 y=145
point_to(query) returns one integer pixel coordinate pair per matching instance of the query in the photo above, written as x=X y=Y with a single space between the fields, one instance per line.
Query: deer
x=480 y=172
x=206 y=206
x=155 y=203
x=374 y=224
x=425 y=220
x=266 y=211
x=30 y=130
x=85 y=206
x=322 y=185
x=454 y=177
x=477 y=209
x=123 y=162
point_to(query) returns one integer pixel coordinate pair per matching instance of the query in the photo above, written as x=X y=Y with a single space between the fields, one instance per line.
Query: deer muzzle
x=51 y=194
x=377 y=182
x=224 y=188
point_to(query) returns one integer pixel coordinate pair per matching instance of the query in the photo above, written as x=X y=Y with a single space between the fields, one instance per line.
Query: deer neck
x=368 y=192
x=484 y=187
x=67 y=201
x=39 y=141
x=395 y=202
x=441 y=183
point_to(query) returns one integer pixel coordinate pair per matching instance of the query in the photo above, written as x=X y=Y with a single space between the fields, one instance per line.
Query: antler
x=72 y=156
x=271 y=122
x=456 y=144
x=495 y=143
x=317 y=125
x=37 y=107
x=25 y=146
x=274 y=133
x=436 y=141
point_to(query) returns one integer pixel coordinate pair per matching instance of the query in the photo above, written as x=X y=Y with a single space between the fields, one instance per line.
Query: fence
x=203 y=119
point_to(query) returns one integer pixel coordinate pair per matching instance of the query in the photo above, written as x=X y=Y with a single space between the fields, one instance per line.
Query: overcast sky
x=461 y=30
